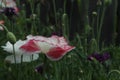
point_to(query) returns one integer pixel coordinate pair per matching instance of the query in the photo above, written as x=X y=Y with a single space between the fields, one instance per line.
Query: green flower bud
x=107 y=2
x=11 y=37
x=65 y=24
x=94 y=13
x=93 y=45
x=87 y=29
x=99 y=2
x=64 y=19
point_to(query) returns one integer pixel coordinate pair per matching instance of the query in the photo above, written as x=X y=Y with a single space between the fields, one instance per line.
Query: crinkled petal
x=30 y=47
x=58 y=52
x=9 y=47
x=40 y=38
x=44 y=47
x=21 y=58
x=54 y=47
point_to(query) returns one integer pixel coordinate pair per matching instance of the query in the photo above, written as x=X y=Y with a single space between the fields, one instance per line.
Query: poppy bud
x=94 y=13
x=65 y=24
x=64 y=19
x=11 y=37
x=107 y=2
x=99 y=2
x=93 y=45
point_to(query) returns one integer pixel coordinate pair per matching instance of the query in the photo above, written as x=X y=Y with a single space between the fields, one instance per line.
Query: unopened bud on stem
x=11 y=37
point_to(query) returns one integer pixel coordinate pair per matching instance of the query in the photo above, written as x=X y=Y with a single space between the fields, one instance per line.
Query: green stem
x=86 y=22
x=32 y=15
x=65 y=6
x=117 y=71
x=71 y=12
x=16 y=67
x=56 y=71
x=97 y=29
x=101 y=23
x=54 y=6
x=93 y=21
x=14 y=53
x=115 y=20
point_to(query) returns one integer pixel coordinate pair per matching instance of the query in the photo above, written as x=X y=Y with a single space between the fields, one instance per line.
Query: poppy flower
x=9 y=8
x=9 y=11
x=53 y=47
x=99 y=57
x=20 y=56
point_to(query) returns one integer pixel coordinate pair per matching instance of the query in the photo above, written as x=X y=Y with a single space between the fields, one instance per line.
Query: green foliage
x=74 y=65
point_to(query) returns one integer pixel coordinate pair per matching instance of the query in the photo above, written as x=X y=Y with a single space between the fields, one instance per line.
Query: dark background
x=72 y=10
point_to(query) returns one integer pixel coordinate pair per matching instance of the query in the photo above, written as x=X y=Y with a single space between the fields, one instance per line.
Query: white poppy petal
x=29 y=58
x=12 y=60
x=44 y=47
x=21 y=58
x=9 y=47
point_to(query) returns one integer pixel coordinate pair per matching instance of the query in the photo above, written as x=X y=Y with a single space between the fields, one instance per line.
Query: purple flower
x=99 y=57
x=9 y=11
x=40 y=68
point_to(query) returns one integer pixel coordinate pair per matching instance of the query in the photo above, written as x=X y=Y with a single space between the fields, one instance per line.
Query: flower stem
x=54 y=6
x=100 y=26
x=65 y=6
x=117 y=71
x=14 y=54
x=97 y=29
x=115 y=20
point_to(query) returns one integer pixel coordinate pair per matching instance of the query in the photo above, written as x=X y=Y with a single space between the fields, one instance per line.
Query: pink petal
x=16 y=9
x=58 y=52
x=1 y=22
x=30 y=46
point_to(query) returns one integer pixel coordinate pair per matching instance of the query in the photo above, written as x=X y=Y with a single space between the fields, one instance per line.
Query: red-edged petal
x=30 y=46
x=58 y=52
